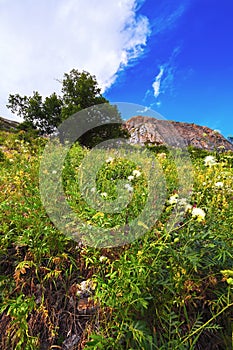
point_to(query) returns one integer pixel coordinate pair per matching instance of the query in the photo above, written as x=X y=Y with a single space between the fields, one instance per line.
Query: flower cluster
x=210 y=161
x=136 y=173
x=104 y=194
x=219 y=184
x=128 y=188
x=109 y=160
x=162 y=155
x=173 y=199
x=198 y=213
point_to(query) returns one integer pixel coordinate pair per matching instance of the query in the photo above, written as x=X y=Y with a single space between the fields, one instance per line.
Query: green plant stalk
x=205 y=324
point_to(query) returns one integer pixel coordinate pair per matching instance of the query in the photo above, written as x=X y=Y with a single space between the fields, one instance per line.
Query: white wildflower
x=188 y=207
x=103 y=258
x=54 y=172
x=129 y=188
x=182 y=202
x=130 y=177
x=109 y=160
x=93 y=190
x=161 y=155
x=219 y=184
x=209 y=161
x=198 y=213
x=104 y=194
x=136 y=173
x=173 y=199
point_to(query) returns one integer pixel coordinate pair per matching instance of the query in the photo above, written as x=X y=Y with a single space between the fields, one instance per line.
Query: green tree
x=79 y=91
x=103 y=123
x=43 y=115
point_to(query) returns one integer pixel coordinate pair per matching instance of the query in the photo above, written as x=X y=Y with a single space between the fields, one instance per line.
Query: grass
x=170 y=288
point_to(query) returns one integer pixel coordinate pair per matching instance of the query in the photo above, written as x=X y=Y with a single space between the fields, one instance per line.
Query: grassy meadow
x=171 y=288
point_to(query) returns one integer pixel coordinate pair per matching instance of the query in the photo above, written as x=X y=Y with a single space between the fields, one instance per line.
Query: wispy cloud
x=170 y=11
x=143 y=110
x=41 y=40
x=164 y=80
x=157 y=83
x=170 y=69
x=169 y=15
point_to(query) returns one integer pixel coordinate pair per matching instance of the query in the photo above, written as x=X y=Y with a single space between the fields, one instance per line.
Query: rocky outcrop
x=147 y=130
x=6 y=124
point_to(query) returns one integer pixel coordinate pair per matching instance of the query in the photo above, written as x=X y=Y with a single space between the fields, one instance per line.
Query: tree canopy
x=43 y=115
x=79 y=91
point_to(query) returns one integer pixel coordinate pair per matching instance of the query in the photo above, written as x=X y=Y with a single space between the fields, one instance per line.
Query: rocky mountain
x=147 y=130
x=6 y=124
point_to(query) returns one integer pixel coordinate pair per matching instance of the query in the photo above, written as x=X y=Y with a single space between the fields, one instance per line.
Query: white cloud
x=164 y=80
x=144 y=110
x=157 y=82
x=40 y=40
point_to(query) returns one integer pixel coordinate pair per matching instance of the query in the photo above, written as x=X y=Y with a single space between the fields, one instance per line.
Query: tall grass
x=171 y=288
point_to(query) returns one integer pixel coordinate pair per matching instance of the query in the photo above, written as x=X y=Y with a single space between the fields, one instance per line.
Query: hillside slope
x=147 y=130
x=144 y=130
x=6 y=124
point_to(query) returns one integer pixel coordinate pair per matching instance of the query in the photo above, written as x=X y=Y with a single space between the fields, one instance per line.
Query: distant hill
x=147 y=130
x=6 y=124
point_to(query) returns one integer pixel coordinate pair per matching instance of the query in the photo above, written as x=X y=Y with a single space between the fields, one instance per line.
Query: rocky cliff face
x=6 y=124
x=146 y=130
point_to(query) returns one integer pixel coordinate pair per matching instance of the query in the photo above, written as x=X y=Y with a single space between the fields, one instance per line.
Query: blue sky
x=174 y=56
x=190 y=51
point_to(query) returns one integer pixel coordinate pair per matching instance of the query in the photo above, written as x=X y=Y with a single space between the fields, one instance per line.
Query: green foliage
x=19 y=310
x=170 y=289
x=42 y=115
x=2 y=156
x=39 y=114
x=104 y=123
x=79 y=91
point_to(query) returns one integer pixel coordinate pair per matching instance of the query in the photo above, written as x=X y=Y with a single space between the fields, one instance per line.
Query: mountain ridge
x=147 y=130
x=7 y=124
